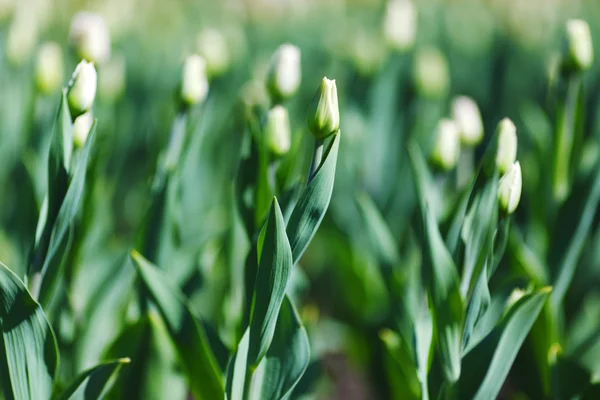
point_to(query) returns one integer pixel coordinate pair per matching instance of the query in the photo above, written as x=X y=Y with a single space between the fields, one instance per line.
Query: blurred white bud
x=194 y=83
x=468 y=119
x=49 y=68
x=580 y=53
x=254 y=94
x=400 y=24
x=22 y=37
x=283 y=76
x=81 y=128
x=323 y=114
x=506 y=154
x=431 y=73
x=90 y=37
x=111 y=79
x=278 y=131
x=212 y=46
x=6 y=8
x=509 y=188
x=447 y=145
x=368 y=52
x=516 y=295
x=82 y=88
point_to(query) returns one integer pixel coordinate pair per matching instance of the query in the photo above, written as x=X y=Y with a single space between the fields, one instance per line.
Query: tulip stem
x=316 y=160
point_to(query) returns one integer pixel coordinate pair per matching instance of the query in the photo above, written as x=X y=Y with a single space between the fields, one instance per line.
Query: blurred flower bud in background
x=400 y=24
x=90 y=37
x=323 y=114
x=194 y=83
x=213 y=47
x=111 y=79
x=49 y=68
x=254 y=94
x=367 y=51
x=431 y=73
x=278 y=132
x=468 y=119
x=23 y=36
x=579 y=51
x=506 y=153
x=82 y=88
x=509 y=188
x=446 y=149
x=284 y=74
x=6 y=9
x=81 y=128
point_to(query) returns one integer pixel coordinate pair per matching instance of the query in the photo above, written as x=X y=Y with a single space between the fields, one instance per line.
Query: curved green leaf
x=28 y=348
x=91 y=383
x=274 y=271
x=187 y=334
x=314 y=200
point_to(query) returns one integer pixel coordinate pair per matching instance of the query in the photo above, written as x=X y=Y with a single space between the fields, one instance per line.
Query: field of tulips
x=299 y=199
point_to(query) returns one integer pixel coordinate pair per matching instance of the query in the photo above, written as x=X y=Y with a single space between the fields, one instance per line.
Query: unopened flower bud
x=323 y=114
x=90 y=37
x=81 y=128
x=509 y=188
x=468 y=119
x=431 y=73
x=400 y=24
x=447 y=145
x=213 y=47
x=278 y=132
x=22 y=37
x=111 y=79
x=49 y=68
x=580 y=53
x=283 y=76
x=82 y=88
x=194 y=83
x=506 y=154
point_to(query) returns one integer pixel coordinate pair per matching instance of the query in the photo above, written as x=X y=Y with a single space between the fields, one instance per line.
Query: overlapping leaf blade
x=90 y=384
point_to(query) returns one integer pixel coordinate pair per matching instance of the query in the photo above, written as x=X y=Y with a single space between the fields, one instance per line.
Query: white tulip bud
x=431 y=73
x=278 y=132
x=81 y=128
x=468 y=119
x=82 y=88
x=194 y=83
x=22 y=37
x=506 y=154
x=509 y=188
x=323 y=114
x=580 y=53
x=283 y=76
x=213 y=47
x=90 y=37
x=111 y=79
x=447 y=145
x=49 y=68
x=400 y=24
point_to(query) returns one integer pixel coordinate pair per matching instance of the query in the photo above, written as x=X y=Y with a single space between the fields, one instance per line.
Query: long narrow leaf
x=90 y=384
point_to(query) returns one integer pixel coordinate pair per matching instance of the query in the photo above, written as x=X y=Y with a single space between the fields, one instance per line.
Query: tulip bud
x=447 y=145
x=111 y=79
x=400 y=24
x=194 y=83
x=580 y=54
x=22 y=37
x=278 y=131
x=49 y=68
x=81 y=128
x=90 y=37
x=283 y=76
x=431 y=73
x=323 y=114
x=212 y=46
x=82 y=88
x=506 y=154
x=468 y=119
x=509 y=188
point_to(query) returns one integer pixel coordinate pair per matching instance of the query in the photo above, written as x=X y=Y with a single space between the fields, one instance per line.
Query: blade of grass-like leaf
x=236 y=370
x=400 y=366
x=28 y=344
x=187 y=334
x=274 y=271
x=90 y=384
x=314 y=200
x=486 y=365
